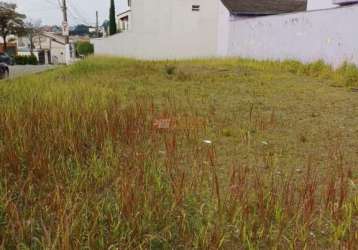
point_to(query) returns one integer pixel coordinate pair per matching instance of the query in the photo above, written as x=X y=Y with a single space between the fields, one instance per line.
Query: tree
x=33 y=29
x=11 y=22
x=84 y=48
x=80 y=30
x=112 y=19
x=105 y=26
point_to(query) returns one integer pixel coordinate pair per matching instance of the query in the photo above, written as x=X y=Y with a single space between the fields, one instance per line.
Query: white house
x=50 y=44
x=124 y=20
x=259 y=29
x=167 y=29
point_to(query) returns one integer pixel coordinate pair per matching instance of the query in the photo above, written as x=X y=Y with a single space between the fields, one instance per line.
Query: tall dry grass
x=85 y=167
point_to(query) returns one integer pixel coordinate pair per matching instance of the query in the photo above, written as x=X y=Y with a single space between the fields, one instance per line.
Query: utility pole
x=97 y=29
x=66 y=33
x=65 y=22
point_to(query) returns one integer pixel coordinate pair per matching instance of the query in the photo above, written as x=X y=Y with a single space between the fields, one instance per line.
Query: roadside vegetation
x=84 y=48
x=207 y=154
x=26 y=60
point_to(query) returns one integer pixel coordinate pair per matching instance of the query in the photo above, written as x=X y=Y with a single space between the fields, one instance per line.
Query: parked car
x=4 y=71
x=5 y=58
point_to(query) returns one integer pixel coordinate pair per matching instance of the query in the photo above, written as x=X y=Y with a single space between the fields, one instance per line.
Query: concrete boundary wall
x=330 y=35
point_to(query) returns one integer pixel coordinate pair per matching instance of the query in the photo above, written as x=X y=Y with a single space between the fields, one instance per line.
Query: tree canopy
x=81 y=30
x=11 y=22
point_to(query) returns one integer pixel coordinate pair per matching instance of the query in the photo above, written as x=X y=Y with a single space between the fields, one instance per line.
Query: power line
x=75 y=9
x=72 y=11
x=58 y=5
x=80 y=20
x=77 y=14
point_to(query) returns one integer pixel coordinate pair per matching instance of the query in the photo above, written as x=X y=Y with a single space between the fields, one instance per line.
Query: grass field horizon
x=114 y=153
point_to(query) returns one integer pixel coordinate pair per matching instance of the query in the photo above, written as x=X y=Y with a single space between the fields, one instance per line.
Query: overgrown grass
x=344 y=76
x=207 y=154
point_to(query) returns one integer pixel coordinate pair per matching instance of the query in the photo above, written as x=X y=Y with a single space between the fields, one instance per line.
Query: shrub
x=24 y=60
x=84 y=48
x=170 y=69
x=32 y=60
x=20 y=60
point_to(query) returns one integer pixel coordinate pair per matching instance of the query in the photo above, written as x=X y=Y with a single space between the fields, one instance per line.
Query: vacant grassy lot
x=230 y=154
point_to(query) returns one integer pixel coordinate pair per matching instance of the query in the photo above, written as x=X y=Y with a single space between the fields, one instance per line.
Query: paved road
x=20 y=70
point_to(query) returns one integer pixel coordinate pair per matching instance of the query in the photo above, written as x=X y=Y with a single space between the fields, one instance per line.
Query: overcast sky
x=80 y=11
x=83 y=11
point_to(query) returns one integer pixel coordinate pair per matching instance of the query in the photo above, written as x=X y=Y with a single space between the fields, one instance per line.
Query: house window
x=195 y=8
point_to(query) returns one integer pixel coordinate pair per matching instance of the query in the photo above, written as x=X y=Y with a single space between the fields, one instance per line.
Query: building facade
x=48 y=47
x=166 y=29
x=124 y=20
x=258 y=29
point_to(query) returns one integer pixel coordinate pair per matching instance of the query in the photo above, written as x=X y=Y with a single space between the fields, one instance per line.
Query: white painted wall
x=330 y=35
x=223 y=30
x=169 y=29
x=164 y=29
x=320 y=4
x=57 y=53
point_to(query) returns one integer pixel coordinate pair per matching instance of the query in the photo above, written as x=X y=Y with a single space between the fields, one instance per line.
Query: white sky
x=80 y=11
x=83 y=11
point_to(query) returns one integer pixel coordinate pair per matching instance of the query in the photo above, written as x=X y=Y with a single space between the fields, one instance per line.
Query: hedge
x=24 y=60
